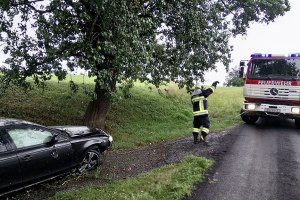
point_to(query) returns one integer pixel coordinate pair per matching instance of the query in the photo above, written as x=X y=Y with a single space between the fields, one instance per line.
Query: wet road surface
x=262 y=164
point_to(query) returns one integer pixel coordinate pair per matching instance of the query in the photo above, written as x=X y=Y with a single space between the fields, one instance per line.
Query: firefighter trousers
x=201 y=121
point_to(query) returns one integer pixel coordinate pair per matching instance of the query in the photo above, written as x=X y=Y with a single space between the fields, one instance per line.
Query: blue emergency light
x=259 y=55
x=293 y=55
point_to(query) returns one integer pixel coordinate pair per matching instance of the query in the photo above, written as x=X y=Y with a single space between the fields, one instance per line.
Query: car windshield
x=284 y=69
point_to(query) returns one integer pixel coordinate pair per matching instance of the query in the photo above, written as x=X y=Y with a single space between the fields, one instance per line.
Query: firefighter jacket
x=199 y=100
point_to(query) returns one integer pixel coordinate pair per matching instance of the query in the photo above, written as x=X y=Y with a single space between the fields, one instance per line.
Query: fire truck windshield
x=272 y=68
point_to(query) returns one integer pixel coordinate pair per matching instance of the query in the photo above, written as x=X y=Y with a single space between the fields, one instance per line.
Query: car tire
x=249 y=119
x=297 y=123
x=91 y=159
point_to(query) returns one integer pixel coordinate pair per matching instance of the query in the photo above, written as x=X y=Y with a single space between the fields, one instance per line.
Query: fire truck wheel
x=249 y=119
x=297 y=123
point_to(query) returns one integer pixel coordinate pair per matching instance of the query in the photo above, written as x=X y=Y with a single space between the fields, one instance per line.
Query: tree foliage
x=155 y=41
x=233 y=78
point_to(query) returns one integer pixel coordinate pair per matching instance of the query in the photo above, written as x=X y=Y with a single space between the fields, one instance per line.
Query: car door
x=37 y=158
x=35 y=151
x=9 y=166
x=63 y=151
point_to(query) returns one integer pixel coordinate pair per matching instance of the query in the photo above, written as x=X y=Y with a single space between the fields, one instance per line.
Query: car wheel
x=249 y=119
x=297 y=123
x=91 y=160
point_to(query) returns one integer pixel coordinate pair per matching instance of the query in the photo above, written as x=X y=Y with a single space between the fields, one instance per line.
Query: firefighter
x=200 y=111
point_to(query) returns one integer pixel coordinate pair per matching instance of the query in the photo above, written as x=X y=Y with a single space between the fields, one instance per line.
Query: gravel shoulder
x=120 y=164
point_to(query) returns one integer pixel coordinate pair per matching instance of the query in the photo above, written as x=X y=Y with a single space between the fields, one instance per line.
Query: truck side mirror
x=242 y=66
x=241 y=72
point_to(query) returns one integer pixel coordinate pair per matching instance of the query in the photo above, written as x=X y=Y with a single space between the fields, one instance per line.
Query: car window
x=29 y=137
x=2 y=145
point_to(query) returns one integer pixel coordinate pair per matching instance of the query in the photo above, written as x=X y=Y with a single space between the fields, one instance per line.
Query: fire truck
x=272 y=87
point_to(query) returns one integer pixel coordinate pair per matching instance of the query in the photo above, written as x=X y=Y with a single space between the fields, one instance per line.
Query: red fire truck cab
x=272 y=87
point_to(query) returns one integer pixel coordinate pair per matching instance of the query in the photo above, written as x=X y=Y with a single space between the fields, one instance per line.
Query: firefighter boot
x=203 y=137
x=196 y=138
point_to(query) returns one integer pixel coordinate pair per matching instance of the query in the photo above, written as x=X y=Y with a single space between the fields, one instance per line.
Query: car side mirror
x=52 y=140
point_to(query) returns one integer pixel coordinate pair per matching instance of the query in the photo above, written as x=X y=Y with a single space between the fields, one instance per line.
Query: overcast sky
x=281 y=36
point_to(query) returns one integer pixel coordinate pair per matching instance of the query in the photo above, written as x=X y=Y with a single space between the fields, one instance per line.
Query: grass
x=52 y=106
x=170 y=182
x=151 y=115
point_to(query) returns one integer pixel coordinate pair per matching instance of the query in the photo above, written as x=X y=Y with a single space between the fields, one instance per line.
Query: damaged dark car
x=31 y=153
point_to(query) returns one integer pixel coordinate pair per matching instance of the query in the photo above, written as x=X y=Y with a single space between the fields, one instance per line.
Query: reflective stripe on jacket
x=199 y=101
x=200 y=105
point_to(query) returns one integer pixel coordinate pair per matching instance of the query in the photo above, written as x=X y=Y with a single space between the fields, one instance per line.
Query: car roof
x=12 y=121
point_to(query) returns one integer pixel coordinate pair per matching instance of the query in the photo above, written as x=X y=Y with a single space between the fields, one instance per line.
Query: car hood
x=79 y=131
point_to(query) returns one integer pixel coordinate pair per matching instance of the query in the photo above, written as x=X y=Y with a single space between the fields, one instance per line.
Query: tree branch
x=25 y=2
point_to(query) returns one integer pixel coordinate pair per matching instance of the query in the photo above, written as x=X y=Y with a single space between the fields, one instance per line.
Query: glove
x=214 y=84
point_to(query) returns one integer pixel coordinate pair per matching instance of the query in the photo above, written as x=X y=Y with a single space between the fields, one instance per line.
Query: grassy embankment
x=147 y=117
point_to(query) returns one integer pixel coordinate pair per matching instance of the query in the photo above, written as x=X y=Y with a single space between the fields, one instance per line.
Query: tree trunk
x=95 y=115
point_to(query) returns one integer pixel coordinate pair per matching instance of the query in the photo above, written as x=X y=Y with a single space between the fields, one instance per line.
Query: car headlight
x=250 y=106
x=296 y=110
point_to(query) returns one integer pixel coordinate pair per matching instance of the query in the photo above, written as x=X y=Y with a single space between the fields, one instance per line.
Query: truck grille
x=272 y=92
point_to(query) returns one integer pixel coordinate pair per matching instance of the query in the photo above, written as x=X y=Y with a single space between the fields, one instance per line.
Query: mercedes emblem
x=274 y=91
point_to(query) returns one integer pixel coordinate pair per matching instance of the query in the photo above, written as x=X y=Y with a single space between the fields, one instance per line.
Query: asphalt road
x=262 y=164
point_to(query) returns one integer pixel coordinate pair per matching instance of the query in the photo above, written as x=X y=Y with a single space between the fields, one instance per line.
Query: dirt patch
x=120 y=164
